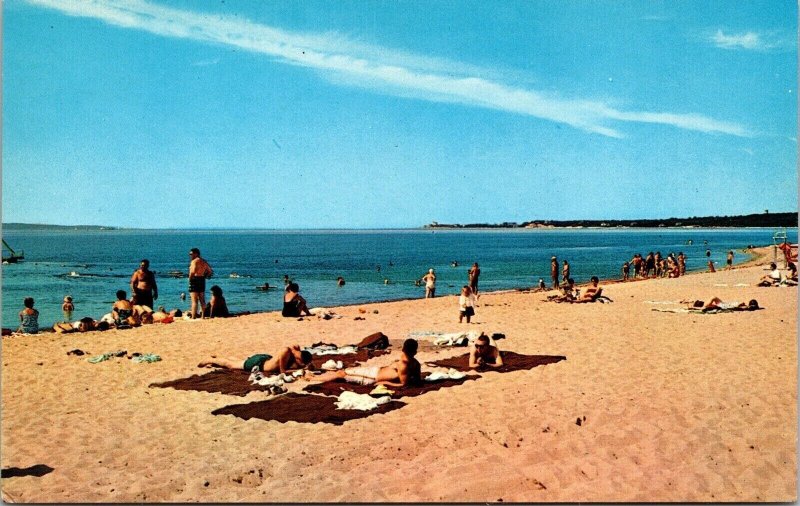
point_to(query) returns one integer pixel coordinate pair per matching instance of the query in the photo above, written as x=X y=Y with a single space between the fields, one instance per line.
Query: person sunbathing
x=484 y=354
x=593 y=292
x=406 y=371
x=85 y=324
x=289 y=358
x=717 y=304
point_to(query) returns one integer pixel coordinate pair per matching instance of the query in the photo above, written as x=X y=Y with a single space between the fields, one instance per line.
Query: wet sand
x=672 y=407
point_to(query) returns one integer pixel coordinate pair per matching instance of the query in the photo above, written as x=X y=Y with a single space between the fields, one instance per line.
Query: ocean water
x=92 y=266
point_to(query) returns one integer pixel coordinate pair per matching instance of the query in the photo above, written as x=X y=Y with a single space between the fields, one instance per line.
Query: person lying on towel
x=717 y=304
x=406 y=371
x=484 y=354
x=289 y=358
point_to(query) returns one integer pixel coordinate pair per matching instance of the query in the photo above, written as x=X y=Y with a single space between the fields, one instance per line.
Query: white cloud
x=382 y=69
x=748 y=40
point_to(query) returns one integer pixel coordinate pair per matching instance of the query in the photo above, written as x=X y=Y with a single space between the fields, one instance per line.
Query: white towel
x=332 y=350
x=361 y=402
x=440 y=375
x=330 y=365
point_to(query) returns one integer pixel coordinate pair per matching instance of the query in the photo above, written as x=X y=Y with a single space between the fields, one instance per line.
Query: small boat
x=12 y=256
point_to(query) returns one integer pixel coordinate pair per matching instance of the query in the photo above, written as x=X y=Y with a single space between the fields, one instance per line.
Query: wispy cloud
x=383 y=69
x=749 y=40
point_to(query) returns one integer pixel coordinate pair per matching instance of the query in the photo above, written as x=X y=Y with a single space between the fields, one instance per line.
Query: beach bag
x=376 y=341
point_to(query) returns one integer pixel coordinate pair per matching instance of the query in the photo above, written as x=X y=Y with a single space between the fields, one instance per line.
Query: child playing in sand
x=466 y=304
x=67 y=308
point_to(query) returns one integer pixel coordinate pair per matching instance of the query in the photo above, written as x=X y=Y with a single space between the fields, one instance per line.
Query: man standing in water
x=474 y=273
x=143 y=285
x=199 y=270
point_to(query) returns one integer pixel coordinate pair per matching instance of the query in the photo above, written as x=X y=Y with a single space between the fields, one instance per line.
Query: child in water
x=67 y=308
x=466 y=304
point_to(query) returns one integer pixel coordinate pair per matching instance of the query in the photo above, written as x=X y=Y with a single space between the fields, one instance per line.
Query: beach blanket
x=336 y=387
x=511 y=362
x=347 y=359
x=223 y=381
x=235 y=382
x=302 y=408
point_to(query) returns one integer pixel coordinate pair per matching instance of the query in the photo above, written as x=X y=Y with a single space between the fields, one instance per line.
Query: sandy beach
x=672 y=407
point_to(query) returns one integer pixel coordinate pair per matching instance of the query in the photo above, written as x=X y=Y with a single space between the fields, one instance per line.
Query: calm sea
x=91 y=266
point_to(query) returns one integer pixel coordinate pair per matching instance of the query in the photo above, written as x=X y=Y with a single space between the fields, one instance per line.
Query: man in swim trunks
x=143 y=285
x=406 y=371
x=289 y=358
x=554 y=271
x=474 y=273
x=199 y=270
x=483 y=354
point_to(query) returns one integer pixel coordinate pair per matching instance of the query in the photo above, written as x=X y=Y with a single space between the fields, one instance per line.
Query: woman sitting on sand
x=28 y=318
x=293 y=304
x=122 y=311
x=217 y=307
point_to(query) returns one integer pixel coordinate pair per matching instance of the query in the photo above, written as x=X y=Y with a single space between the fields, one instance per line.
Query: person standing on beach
x=565 y=272
x=199 y=270
x=474 y=273
x=466 y=304
x=430 y=284
x=626 y=269
x=554 y=271
x=682 y=263
x=729 y=260
x=143 y=285
x=649 y=264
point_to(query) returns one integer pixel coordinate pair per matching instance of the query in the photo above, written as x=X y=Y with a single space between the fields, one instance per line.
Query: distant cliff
x=768 y=220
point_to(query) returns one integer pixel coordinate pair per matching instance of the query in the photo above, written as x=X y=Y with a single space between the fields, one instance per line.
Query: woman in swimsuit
x=29 y=318
x=122 y=311
x=293 y=304
x=217 y=307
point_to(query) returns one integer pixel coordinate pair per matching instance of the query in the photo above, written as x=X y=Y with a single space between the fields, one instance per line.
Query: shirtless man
x=483 y=354
x=143 y=285
x=473 y=274
x=592 y=292
x=554 y=271
x=199 y=270
x=289 y=358
x=406 y=371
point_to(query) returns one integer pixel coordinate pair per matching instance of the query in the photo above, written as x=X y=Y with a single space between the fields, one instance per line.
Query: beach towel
x=146 y=357
x=361 y=402
x=443 y=375
x=302 y=408
x=511 y=362
x=105 y=356
x=319 y=349
x=347 y=359
x=223 y=381
x=337 y=386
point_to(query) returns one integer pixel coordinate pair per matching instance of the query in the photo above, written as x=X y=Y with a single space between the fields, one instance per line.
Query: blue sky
x=368 y=114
